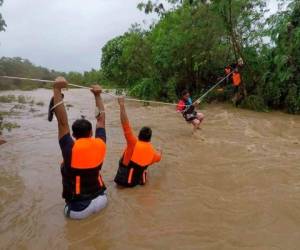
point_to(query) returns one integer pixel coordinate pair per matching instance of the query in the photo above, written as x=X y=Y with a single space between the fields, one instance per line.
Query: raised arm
x=60 y=111
x=100 y=111
x=123 y=114
x=130 y=138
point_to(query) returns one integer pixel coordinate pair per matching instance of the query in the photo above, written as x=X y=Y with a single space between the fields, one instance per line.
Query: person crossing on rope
x=236 y=80
x=138 y=155
x=83 y=187
x=188 y=110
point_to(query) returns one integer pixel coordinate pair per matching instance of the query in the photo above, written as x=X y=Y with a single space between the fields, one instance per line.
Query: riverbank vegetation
x=13 y=105
x=20 y=67
x=192 y=42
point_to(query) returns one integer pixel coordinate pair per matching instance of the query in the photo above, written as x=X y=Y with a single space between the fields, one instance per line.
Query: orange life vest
x=236 y=78
x=136 y=171
x=82 y=180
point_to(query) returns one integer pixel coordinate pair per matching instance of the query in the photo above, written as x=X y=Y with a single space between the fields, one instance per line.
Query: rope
x=213 y=87
x=40 y=80
x=129 y=99
x=84 y=87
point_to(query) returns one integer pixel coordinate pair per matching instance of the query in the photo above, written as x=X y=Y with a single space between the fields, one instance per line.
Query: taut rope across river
x=201 y=98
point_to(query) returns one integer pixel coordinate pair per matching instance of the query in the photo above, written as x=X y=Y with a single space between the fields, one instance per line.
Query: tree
x=282 y=87
x=2 y=22
x=126 y=59
x=193 y=40
x=17 y=66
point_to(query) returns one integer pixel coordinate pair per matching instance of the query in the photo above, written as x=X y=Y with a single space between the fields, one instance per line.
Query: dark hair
x=81 y=128
x=184 y=92
x=145 y=134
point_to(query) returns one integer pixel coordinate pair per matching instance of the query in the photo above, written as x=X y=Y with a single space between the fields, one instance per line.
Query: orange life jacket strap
x=100 y=181
x=130 y=176
x=77 y=185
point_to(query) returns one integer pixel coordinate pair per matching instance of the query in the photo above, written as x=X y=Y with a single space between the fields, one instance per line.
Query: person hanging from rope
x=138 y=155
x=236 y=80
x=188 y=109
x=83 y=187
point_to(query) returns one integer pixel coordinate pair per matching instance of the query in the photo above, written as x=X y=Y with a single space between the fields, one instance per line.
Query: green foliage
x=292 y=100
x=7 y=98
x=254 y=102
x=2 y=22
x=17 y=66
x=192 y=42
x=7 y=125
x=23 y=68
x=125 y=59
x=188 y=47
x=21 y=99
x=282 y=81
x=146 y=89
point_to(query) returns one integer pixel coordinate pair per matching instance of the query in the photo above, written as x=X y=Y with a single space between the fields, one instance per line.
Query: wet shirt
x=182 y=104
x=131 y=142
x=66 y=145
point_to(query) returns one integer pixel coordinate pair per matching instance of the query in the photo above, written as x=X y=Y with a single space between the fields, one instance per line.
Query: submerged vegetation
x=16 y=104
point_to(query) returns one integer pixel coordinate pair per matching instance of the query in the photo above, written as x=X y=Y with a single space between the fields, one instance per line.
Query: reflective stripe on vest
x=135 y=172
x=82 y=180
x=236 y=79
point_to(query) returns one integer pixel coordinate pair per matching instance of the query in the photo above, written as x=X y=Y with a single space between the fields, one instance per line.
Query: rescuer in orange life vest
x=83 y=187
x=138 y=155
x=236 y=80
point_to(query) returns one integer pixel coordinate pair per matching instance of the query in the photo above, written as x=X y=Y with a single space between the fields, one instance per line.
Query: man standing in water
x=138 y=155
x=187 y=108
x=83 y=187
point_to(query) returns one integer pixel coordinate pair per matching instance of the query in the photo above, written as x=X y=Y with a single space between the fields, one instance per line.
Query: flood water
x=234 y=185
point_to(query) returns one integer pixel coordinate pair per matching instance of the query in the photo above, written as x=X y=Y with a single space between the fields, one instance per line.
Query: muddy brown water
x=234 y=185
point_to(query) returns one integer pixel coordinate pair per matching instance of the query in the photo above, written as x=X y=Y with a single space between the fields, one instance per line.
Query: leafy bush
x=22 y=99
x=147 y=89
x=254 y=102
x=292 y=100
x=7 y=98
